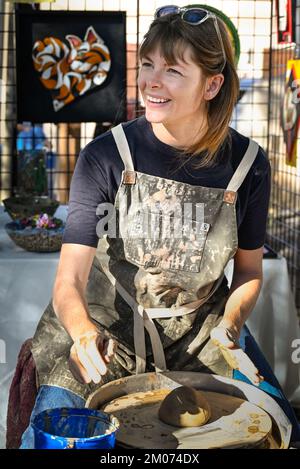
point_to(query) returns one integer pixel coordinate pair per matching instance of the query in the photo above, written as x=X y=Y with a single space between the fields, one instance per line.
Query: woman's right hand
x=89 y=356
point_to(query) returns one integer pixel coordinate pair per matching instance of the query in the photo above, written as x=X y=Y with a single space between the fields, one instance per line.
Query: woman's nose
x=154 y=80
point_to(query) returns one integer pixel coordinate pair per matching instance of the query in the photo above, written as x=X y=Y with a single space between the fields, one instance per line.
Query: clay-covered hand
x=229 y=345
x=89 y=356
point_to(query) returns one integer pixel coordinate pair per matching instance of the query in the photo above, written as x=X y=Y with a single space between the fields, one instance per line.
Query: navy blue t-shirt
x=98 y=171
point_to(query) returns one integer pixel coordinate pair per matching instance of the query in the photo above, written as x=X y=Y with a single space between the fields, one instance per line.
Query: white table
x=26 y=281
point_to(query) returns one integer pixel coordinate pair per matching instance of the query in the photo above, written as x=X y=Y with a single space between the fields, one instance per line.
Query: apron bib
x=158 y=286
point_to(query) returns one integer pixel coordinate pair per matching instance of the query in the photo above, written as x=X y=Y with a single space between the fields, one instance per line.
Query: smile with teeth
x=157 y=100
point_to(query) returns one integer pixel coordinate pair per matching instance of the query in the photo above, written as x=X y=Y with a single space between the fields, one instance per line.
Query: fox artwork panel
x=69 y=71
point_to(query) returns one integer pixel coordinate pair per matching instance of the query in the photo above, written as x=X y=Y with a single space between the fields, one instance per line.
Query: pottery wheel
x=234 y=423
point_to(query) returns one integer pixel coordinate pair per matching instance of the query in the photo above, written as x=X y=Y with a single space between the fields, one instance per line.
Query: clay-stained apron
x=174 y=287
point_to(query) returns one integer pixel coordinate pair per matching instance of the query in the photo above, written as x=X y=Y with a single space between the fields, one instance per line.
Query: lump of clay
x=184 y=407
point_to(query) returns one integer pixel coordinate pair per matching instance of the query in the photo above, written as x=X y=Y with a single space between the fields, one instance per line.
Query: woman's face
x=178 y=87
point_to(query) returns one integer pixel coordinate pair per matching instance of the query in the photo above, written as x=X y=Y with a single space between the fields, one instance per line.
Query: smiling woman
x=201 y=84
x=173 y=98
x=167 y=277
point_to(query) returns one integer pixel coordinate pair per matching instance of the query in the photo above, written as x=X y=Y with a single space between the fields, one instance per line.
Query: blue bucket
x=70 y=428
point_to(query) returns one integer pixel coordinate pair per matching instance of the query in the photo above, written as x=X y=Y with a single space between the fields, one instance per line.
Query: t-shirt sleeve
x=252 y=230
x=88 y=189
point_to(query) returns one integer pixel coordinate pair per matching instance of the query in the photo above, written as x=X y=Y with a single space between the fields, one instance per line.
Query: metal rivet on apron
x=129 y=177
x=229 y=197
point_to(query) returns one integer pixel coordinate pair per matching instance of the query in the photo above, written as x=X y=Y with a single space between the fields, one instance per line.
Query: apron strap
x=123 y=147
x=244 y=167
x=141 y=321
x=156 y=344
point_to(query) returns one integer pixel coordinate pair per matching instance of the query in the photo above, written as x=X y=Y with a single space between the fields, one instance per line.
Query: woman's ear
x=213 y=86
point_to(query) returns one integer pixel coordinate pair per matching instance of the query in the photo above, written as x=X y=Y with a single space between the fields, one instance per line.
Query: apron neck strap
x=123 y=147
x=244 y=166
x=236 y=180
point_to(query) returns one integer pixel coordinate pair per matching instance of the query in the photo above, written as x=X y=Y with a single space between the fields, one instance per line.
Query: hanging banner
x=286 y=18
x=290 y=113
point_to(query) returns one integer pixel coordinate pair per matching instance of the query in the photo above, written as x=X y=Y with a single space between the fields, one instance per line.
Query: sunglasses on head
x=193 y=16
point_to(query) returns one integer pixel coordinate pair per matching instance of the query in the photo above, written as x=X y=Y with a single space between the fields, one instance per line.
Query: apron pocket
x=168 y=242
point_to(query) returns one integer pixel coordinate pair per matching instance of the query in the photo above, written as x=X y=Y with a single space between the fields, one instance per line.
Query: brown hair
x=172 y=35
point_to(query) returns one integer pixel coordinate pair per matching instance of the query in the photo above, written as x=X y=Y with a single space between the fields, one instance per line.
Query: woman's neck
x=180 y=137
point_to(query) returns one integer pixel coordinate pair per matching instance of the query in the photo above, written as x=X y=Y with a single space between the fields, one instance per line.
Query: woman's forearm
x=241 y=300
x=71 y=309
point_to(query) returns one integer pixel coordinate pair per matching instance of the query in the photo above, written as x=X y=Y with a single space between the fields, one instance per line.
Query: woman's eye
x=146 y=64
x=172 y=70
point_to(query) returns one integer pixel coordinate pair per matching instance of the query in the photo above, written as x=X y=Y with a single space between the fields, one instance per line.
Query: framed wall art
x=71 y=66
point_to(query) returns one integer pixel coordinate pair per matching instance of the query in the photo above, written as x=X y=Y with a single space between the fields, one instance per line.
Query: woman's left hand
x=233 y=354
